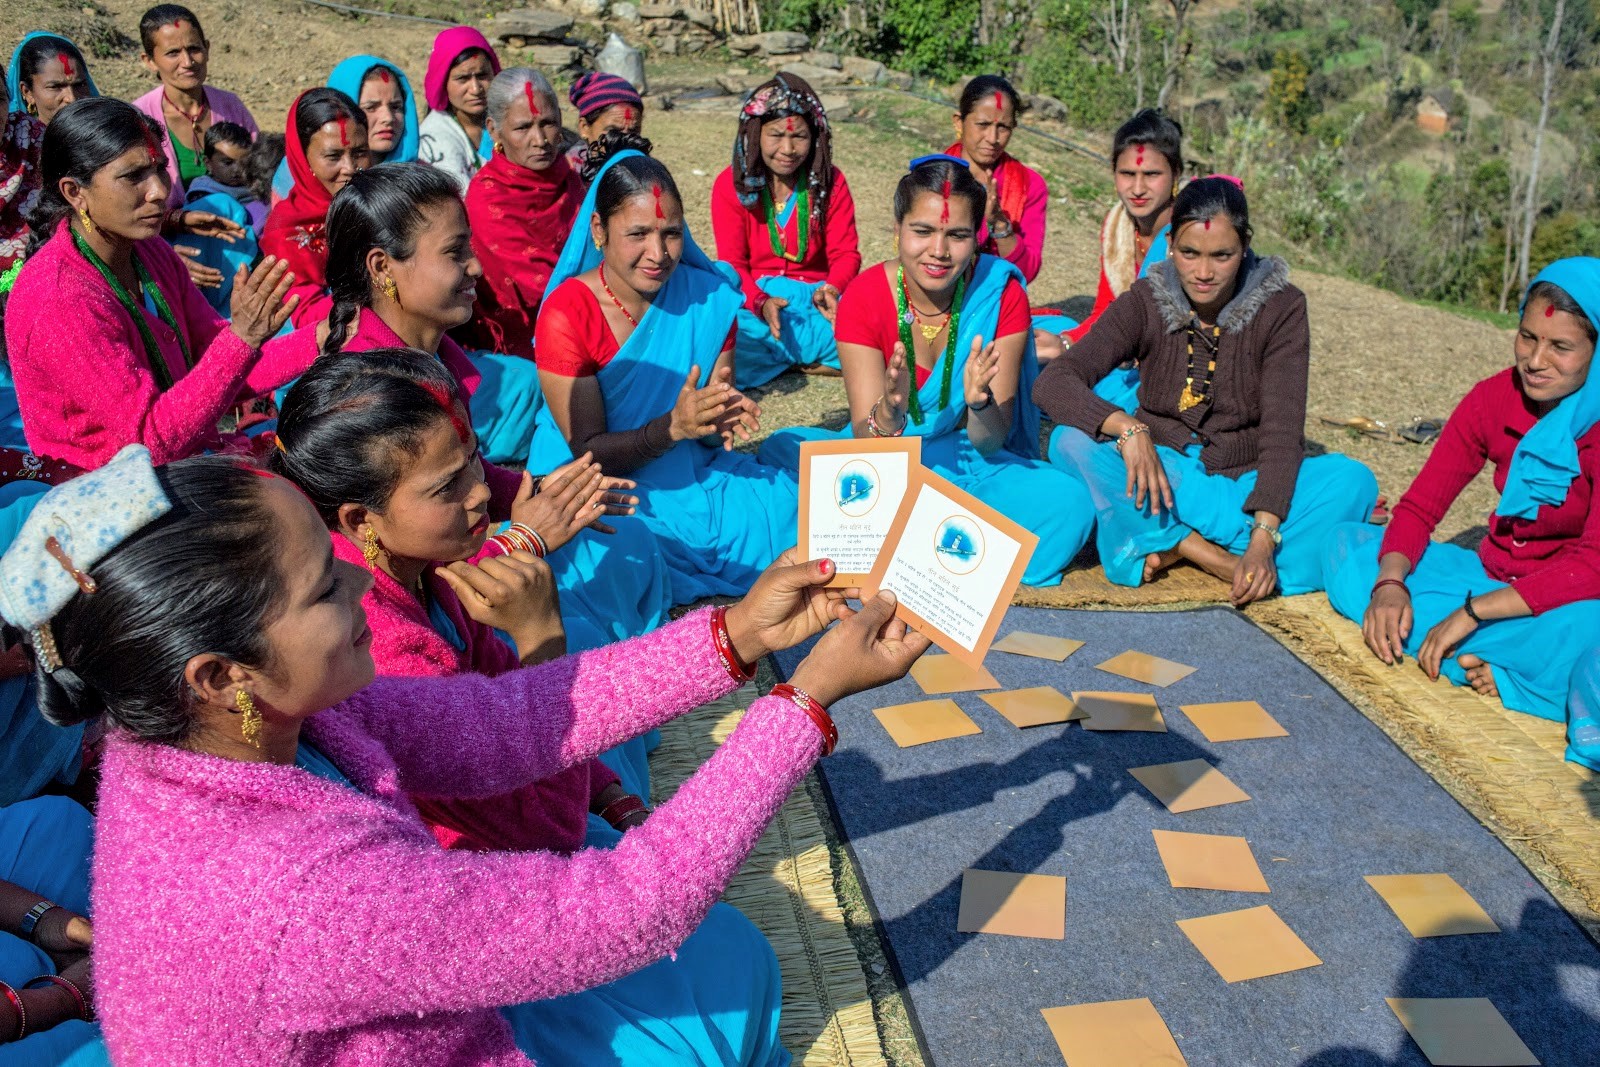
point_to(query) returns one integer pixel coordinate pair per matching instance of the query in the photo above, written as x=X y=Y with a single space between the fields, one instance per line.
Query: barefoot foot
x=1156 y=562
x=1479 y=676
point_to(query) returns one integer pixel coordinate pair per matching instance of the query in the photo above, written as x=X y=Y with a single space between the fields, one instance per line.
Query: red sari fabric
x=297 y=230
x=520 y=219
x=20 y=182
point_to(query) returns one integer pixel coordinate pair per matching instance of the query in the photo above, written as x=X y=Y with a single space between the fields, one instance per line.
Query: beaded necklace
x=158 y=363
x=802 y=208
x=1198 y=392
x=194 y=120
x=625 y=312
x=905 y=315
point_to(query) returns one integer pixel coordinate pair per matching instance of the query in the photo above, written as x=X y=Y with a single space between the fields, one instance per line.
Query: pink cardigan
x=256 y=914
x=83 y=383
x=548 y=814
x=225 y=107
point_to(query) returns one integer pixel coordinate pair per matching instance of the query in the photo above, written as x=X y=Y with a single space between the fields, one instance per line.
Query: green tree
x=1288 y=100
x=1417 y=13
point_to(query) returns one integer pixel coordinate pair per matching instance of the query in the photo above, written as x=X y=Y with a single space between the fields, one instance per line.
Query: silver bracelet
x=35 y=913
x=1271 y=531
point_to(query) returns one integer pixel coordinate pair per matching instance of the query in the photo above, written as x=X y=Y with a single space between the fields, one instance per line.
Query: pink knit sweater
x=83 y=382
x=551 y=813
x=255 y=914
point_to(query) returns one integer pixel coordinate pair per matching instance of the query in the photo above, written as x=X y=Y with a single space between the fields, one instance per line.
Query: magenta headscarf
x=449 y=44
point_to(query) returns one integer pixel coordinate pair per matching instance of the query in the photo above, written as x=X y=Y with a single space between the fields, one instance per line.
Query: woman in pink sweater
x=110 y=343
x=368 y=440
x=264 y=891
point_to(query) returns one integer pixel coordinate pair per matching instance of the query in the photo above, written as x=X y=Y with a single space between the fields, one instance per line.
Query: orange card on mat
x=1188 y=785
x=1462 y=1032
x=1234 y=720
x=1021 y=905
x=1209 y=861
x=938 y=675
x=1121 y=711
x=1143 y=667
x=1039 y=646
x=925 y=721
x=1247 y=944
x=953 y=564
x=1113 y=1033
x=1039 y=706
x=1432 y=905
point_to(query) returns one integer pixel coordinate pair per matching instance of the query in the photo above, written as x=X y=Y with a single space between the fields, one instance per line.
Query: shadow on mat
x=1094 y=779
x=1558 y=1031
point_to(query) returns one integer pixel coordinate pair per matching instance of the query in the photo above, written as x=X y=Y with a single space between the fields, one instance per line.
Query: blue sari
x=14 y=70
x=1049 y=502
x=804 y=337
x=719 y=517
x=225 y=257
x=1121 y=386
x=1537 y=660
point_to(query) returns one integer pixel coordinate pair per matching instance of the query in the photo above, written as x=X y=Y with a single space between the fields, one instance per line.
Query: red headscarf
x=520 y=219
x=296 y=228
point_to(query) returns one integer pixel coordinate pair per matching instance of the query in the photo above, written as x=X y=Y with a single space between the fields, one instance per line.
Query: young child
x=260 y=166
x=227 y=152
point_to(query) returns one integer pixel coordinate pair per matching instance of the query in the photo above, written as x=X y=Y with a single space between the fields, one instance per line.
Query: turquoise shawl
x=14 y=72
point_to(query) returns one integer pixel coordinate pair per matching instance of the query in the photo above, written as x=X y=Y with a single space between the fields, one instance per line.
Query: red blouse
x=742 y=240
x=1553 y=558
x=867 y=314
x=572 y=337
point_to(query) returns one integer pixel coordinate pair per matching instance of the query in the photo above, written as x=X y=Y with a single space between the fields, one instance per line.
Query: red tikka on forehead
x=527 y=91
x=153 y=146
x=627 y=116
x=66 y=65
x=999 y=100
x=655 y=191
x=1208 y=224
x=383 y=75
x=447 y=405
x=344 y=130
x=944 y=208
x=1549 y=311
x=1138 y=160
x=788 y=124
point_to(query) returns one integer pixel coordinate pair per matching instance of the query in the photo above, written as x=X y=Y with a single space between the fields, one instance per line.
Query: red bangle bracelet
x=22 y=1013
x=738 y=669
x=85 y=1012
x=819 y=714
x=1381 y=582
x=627 y=805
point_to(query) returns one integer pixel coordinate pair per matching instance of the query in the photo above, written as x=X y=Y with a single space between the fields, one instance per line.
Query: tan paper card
x=1114 y=1033
x=1209 y=861
x=1143 y=667
x=850 y=491
x=1121 y=711
x=1235 y=720
x=1020 y=905
x=925 y=721
x=938 y=675
x=1188 y=785
x=1039 y=706
x=954 y=564
x=1039 y=646
x=1462 y=1032
x=1247 y=944
x=1432 y=905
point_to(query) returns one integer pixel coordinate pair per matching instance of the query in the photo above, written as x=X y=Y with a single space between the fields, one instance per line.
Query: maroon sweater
x=1256 y=418
x=1552 y=558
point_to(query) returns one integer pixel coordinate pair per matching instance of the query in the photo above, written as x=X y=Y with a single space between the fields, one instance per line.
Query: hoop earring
x=250 y=723
x=369 y=548
x=390 y=289
x=85 y=221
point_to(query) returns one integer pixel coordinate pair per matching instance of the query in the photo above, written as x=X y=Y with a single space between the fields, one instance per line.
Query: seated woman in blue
x=966 y=391
x=635 y=350
x=1510 y=618
x=1212 y=466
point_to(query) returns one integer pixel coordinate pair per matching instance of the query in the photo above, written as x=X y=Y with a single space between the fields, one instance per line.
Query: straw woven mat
x=786 y=888
x=1504 y=767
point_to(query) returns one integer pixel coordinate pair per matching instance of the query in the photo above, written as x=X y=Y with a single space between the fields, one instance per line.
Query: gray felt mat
x=1333 y=802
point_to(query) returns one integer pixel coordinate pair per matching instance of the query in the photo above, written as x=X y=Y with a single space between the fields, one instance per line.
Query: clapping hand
x=258 y=302
x=978 y=378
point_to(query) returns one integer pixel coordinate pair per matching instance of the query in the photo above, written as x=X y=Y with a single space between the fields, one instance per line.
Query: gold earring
x=598 y=247
x=390 y=289
x=250 y=724
x=85 y=221
x=897 y=246
x=369 y=548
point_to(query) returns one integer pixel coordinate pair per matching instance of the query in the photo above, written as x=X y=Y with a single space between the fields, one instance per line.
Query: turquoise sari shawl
x=14 y=70
x=1546 y=461
x=980 y=317
x=347 y=78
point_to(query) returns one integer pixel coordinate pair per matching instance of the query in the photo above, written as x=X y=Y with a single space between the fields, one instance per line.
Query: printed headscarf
x=782 y=97
x=446 y=47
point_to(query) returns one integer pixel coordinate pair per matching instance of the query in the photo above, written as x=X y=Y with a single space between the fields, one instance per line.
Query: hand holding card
x=870 y=648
